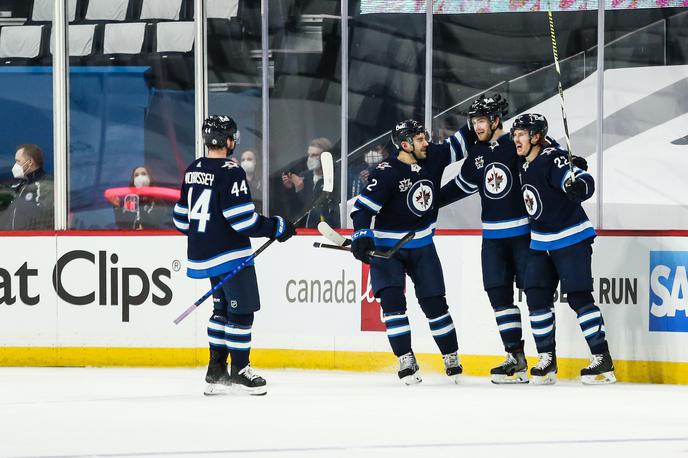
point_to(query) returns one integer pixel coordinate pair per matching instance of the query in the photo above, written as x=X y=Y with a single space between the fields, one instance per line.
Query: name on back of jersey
x=202 y=178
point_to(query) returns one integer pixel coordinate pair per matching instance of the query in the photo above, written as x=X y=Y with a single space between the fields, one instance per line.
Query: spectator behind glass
x=359 y=173
x=304 y=190
x=138 y=211
x=249 y=162
x=32 y=204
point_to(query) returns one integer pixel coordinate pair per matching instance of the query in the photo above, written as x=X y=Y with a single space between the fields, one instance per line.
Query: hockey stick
x=377 y=253
x=328 y=187
x=332 y=235
x=561 y=88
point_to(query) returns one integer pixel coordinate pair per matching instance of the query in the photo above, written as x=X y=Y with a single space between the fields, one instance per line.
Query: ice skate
x=246 y=381
x=545 y=371
x=452 y=366
x=600 y=371
x=408 y=369
x=217 y=379
x=512 y=370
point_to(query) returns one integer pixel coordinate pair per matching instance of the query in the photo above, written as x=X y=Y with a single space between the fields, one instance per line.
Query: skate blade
x=455 y=378
x=605 y=378
x=413 y=379
x=549 y=379
x=215 y=389
x=516 y=379
x=238 y=388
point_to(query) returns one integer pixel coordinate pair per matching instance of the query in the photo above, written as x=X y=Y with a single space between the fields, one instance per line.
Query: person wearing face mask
x=249 y=162
x=304 y=190
x=32 y=207
x=137 y=211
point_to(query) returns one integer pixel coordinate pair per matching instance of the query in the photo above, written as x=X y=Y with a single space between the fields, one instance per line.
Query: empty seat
x=107 y=10
x=21 y=45
x=174 y=37
x=42 y=10
x=81 y=42
x=173 y=62
x=123 y=44
x=222 y=9
x=161 y=9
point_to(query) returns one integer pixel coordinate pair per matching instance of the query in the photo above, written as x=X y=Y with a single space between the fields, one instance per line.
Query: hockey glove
x=579 y=162
x=576 y=190
x=284 y=229
x=362 y=243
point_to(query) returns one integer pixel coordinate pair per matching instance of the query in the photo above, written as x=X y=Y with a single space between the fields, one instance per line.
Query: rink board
x=110 y=301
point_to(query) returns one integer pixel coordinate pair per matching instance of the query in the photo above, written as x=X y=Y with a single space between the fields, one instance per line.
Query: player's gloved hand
x=284 y=229
x=579 y=162
x=362 y=243
x=575 y=190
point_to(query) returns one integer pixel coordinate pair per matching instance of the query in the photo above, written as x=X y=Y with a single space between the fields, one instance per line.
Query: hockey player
x=491 y=169
x=561 y=247
x=400 y=194
x=217 y=214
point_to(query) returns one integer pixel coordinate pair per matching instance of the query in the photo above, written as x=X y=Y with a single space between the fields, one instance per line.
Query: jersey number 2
x=200 y=210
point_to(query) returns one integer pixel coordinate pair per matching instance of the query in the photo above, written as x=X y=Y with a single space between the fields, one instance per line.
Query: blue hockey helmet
x=217 y=129
x=532 y=122
x=406 y=130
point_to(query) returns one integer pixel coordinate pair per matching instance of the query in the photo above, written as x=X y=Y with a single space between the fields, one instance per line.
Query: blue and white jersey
x=492 y=169
x=556 y=221
x=402 y=197
x=217 y=214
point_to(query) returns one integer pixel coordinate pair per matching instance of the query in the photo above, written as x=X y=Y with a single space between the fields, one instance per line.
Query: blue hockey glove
x=362 y=243
x=579 y=162
x=284 y=229
x=575 y=190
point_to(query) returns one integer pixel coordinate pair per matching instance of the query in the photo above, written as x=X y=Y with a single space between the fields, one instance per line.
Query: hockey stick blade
x=328 y=171
x=332 y=235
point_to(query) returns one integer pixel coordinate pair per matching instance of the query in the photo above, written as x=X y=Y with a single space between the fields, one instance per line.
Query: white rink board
x=285 y=322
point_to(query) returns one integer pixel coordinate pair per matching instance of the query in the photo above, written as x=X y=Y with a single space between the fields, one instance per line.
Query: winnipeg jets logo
x=479 y=162
x=498 y=180
x=420 y=197
x=493 y=145
x=383 y=165
x=405 y=184
x=532 y=201
x=229 y=165
x=415 y=168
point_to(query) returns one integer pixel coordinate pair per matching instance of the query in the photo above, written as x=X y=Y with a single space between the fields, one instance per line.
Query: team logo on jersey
x=415 y=168
x=420 y=197
x=531 y=197
x=479 y=162
x=229 y=165
x=498 y=180
x=383 y=165
x=405 y=185
x=493 y=145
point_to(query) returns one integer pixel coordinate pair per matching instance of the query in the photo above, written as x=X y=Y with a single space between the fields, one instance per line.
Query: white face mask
x=248 y=166
x=372 y=158
x=18 y=171
x=313 y=163
x=141 y=181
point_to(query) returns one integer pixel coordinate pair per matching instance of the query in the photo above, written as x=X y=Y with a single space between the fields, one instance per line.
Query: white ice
x=56 y=412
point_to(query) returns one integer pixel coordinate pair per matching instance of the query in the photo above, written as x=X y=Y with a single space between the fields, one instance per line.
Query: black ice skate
x=512 y=370
x=600 y=371
x=408 y=369
x=217 y=378
x=452 y=366
x=545 y=371
x=246 y=381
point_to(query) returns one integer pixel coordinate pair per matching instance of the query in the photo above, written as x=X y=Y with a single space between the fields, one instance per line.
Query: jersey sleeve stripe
x=245 y=224
x=458 y=146
x=181 y=210
x=369 y=203
x=180 y=225
x=238 y=210
x=464 y=185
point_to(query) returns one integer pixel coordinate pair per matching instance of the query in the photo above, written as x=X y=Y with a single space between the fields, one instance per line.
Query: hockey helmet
x=532 y=122
x=489 y=107
x=406 y=130
x=217 y=129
